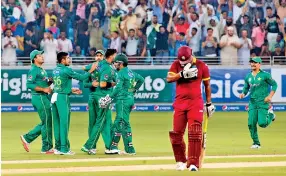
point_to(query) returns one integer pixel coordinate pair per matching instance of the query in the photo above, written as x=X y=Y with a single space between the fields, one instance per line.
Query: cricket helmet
x=121 y=58
x=185 y=55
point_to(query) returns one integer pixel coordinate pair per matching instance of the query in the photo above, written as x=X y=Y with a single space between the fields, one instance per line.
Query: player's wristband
x=208 y=104
x=108 y=84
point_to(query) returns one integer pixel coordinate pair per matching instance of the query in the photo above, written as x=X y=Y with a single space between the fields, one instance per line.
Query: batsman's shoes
x=112 y=152
x=270 y=111
x=193 y=168
x=57 y=152
x=25 y=143
x=68 y=153
x=181 y=166
x=51 y=151
x=255 y=146
x=92 y=152
x=84 y=149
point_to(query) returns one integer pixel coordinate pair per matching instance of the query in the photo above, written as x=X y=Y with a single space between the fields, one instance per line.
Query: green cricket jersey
x=93 y=77
x=127 y=83
x=258 y=85
x=106 y=74
x=37 y=77
x=63 y=75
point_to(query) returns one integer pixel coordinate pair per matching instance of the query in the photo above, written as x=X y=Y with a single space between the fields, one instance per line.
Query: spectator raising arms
x=50 y=47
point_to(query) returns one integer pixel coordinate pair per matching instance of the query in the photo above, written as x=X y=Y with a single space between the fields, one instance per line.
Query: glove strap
x=181 y=74
x=208 y=104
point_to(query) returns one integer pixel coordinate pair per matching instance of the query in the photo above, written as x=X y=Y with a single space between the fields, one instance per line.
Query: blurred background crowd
x=225 y=31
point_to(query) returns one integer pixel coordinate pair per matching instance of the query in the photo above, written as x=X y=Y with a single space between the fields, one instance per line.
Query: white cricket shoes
x=255 y=146
x=57 y=152
x=193 y=168
x=112 y=152
x=181 y=166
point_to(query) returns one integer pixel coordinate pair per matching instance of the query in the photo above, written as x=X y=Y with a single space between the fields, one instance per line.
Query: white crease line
x=130 y=159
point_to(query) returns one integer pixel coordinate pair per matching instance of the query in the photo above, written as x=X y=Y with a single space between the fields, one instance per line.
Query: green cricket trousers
x=41 y=103
x=258 y=113
x=100 y=122
x=61 y=121
x=121 y=126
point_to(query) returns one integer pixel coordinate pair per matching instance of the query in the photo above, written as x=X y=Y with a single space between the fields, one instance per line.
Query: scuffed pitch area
x=130 y=159
x=136 y=167
x=139 y=168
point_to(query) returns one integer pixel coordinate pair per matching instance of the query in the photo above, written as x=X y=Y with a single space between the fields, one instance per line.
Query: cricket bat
x=204 y=142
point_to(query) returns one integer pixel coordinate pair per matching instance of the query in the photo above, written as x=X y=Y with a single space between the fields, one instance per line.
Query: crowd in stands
x=231 y=30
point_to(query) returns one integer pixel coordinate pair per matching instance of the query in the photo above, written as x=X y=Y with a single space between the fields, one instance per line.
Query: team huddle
x=100 y=78
x=111 y=81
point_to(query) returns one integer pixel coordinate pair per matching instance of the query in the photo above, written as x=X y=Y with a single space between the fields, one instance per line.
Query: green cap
x=100 y=51
x=256 y=59
x=121 y=58
x=34 y=53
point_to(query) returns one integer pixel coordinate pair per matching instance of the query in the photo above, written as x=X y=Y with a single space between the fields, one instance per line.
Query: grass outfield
x=227 y=135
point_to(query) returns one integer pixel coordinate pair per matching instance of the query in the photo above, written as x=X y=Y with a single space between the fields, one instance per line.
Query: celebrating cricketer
x=257 y=83
x=62 y=77
x=39 y=84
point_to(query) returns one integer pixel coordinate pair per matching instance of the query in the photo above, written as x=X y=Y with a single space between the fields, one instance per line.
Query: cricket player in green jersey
x=103 y=120
x=127 y=83
x=39 y=83
x=92 y=83
x=62 y=76
x=257 y=83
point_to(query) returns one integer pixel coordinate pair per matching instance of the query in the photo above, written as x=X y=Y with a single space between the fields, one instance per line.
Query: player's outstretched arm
x=87 y=83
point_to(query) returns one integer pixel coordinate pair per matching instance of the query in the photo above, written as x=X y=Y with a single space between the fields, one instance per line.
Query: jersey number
x=57 y=81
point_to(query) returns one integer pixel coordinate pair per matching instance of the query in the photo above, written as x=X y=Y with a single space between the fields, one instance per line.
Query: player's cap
x=100 y=51
x=34 y=53
x=256 y=59
x=185 y=55
x=121 y=58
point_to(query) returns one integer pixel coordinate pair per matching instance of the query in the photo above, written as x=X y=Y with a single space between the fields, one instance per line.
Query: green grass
x=273 y=171
x=140 y=162
x=227 y=135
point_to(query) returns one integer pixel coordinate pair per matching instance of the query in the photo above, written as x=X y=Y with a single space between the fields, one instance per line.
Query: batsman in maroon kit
x=188 y=73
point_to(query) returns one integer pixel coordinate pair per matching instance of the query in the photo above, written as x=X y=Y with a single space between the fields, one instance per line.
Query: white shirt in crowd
x=9 y=53
x=29 y=11
x=244 y=51
x=116 y=44
x=65 y=45
x=229 y=53
x=195 y=42
x=131 y=47
x=50 y=47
